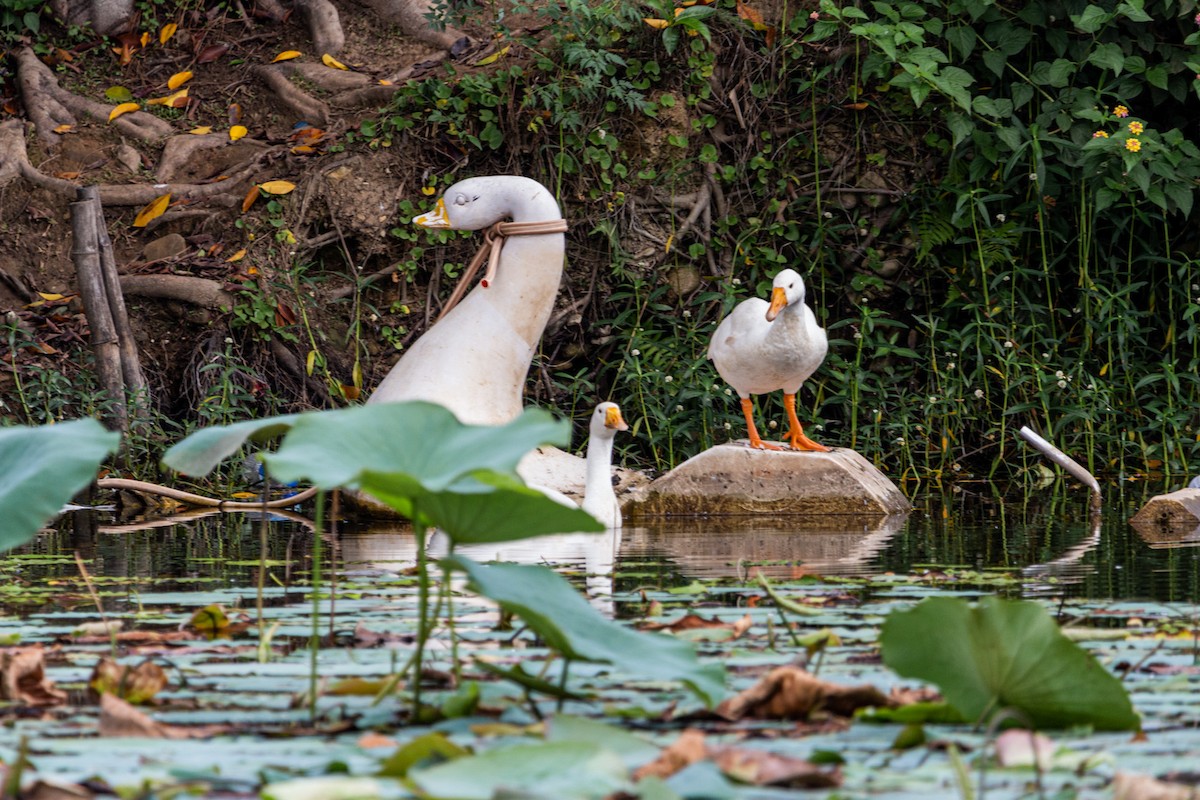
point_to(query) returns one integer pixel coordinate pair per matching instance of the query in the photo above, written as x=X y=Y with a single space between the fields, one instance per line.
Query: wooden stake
x=86 y=254
x=131 y=365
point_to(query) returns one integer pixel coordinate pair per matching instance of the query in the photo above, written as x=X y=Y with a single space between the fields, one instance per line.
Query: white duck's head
x=606 y=421
x=476 y=203
x=787 y=289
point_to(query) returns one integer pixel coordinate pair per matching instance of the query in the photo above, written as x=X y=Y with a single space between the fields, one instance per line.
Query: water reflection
x=1047 y=541
x=775 y=546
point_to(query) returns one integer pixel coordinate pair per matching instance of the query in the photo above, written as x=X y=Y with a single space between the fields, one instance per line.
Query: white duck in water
x=474 y=360
x=599 y=497
x=764 y=347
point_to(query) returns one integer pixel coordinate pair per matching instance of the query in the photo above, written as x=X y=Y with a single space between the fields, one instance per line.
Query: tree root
x=304 y=105
x=180 y=151
x=16 y=162
x=324 y=25
x=50 y=105
x=188 y=289
x=200 y=500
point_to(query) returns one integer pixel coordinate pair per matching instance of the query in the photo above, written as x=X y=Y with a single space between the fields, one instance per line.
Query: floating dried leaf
x=179 y=79
x=153 y=210
x=124 y=108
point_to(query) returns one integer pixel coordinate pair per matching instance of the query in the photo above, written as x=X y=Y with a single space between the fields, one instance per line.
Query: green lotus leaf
x=1004 y=655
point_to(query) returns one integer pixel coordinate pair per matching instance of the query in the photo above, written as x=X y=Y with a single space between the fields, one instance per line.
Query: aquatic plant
x=42 y=468
x=417 y=458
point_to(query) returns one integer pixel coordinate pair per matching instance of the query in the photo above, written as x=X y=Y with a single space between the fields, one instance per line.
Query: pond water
x=152 y=576
x=1046 y=541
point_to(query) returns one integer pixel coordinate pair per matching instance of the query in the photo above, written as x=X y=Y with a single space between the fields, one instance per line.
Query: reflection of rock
x=775 y=546
x=736 y=479
x=1176 y=511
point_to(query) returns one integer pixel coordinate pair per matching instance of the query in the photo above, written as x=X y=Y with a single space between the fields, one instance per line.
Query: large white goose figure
x=474 y=360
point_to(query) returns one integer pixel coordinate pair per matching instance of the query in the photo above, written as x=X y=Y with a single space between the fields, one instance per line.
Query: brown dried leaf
x=234 y=113
x=251 y=195
x=23 y=678
x=55 y=790
x=792 y=693
x=211 y=53
x=120 y=719
x=762 y=768
x=683 y=752
x=135 y=685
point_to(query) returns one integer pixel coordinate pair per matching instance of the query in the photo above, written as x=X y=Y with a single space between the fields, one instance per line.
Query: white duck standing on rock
x=764 y=347
x=475 y=358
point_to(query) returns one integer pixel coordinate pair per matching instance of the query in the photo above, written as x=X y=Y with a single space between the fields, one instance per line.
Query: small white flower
x=737 y=281
x=932 y=399
x=1007 y=278
x=1001 y=217
x=1091 y=387
x=678 y=409
x=772 y=424
x=1045 y=356
x=1009 y=345
x=687 y=314
x=857 y=335
x=1059 y=374
x=727 y=426
x=901 y=441
x=635 y=352
x=1033 y=176
x=716 y=387
x=668 y=379
x=950 y=365
x=819 y=427
x=601 y=133
x=979 y=393
x=729 y=392
x=828 y=215
x=1062 y=384
x=228 y=340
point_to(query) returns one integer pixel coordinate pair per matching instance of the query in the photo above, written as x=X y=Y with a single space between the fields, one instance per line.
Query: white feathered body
x=756 y=357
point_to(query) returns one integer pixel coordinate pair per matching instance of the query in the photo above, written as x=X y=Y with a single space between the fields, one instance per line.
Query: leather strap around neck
x=493 y=242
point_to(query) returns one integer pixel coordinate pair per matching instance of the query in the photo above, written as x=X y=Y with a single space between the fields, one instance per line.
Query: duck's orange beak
x=436 y=218
x=778 y=303
x=613 y=419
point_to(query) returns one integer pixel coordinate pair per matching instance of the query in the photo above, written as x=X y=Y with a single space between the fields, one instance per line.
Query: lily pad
x=552 y=608
x=564 y=770
x=1003 y=654
x=43 y=468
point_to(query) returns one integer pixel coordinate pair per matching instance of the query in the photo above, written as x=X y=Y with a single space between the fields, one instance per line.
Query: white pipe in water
x=1066 y=462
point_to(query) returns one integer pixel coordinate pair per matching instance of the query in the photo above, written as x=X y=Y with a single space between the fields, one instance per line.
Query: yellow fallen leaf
x=287 y=236
x=278 y=187
x=166 y=33
x=429 y=191
x=242 y=496
x=303 y=149
x=238 y=256
x=493 y=58
x=124 y=108
x=175 y=100
x=237 y=132
x=50 y=297
x=330 y=61
x=657 y=24
x=64 y=128
x=179 y=79
x=145 y=40
x=310 y=362
x=153 y=210
x=203 y=129
x=287 y=55
x=384 y=82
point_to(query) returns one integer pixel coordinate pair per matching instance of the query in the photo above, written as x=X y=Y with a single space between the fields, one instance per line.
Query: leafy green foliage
x=567 y=623
x=43 y=468
x=1004 y=655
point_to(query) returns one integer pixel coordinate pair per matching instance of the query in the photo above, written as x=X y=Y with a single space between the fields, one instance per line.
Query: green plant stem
x=314 y=642
x=420 y=529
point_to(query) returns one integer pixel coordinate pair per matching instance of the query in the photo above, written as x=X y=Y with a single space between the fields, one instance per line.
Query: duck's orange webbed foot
x=755 y=440
x=796 y=438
